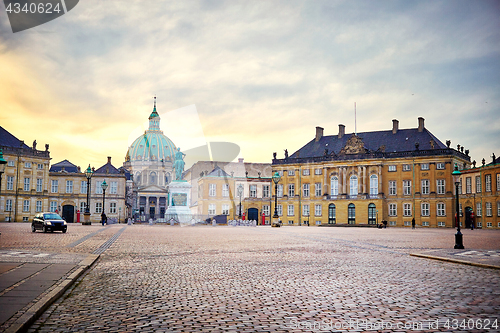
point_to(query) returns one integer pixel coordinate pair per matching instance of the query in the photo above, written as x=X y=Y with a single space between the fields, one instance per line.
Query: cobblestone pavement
x=289 y=279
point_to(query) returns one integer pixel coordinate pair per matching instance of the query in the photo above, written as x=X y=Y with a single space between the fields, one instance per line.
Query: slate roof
x=9 y=140
x=64 y=165
x=218 y=172
x=107 y=168
x=403 y=140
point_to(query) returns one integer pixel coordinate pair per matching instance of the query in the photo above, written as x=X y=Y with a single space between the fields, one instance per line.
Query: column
x=326 y=184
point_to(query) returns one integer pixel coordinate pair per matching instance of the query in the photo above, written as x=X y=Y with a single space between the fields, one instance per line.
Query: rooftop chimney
x=109 y=159
x=395 y=126
x=420 y=124
x=341 y=130
x=240 y=160
x=319 y=133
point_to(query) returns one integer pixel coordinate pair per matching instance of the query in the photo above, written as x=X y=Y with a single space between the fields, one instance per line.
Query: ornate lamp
x=240 y=194
x=3 y=164
x=276 y=180
x=86 y=215
x=104 y=186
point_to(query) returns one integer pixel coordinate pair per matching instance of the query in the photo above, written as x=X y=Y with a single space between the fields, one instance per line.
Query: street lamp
x=86 y=215
x=3 y=164
x=458 y=236
x=104 y=186
x=276 y=180
x=240 y=194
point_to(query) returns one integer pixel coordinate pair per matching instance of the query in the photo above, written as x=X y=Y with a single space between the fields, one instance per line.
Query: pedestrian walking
x=104 y=219
x=413 y=223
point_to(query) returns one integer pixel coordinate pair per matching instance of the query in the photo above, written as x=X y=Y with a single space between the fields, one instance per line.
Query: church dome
x=153 y=145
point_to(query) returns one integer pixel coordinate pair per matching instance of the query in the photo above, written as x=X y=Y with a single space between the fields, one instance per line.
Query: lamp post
x=86 y=215
x=104 y=186
x=240 y=194
x=3 y=164
x=276 y=180
x=458 y=236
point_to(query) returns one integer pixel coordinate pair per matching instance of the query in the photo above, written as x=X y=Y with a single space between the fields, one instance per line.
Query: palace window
x=69 y=186
x=83 y=187
x=487 y=183
x=317 y=189
x=26 y=184
x=266 y=209
x=425 y=186
x=291 y=190
x=27 y=165
x=353 y=185
x=83 y=205
x=351 y=214
x=334 y=185
x=211 y=209
x=498 y=209
x=305 y=172
x=373 y=185
x=39 y=185
x=406 y=167
x=392 y=187
x=253 y=191
x=478 y=184
x=98 y=207
x=11 y=163
x=8 y=205
x=425 y=209
x=291 y=210
x=26 y=205
x=212 y=190
x=468 y=185
x=113 y=188
x=498 y=182
x=440 y=186
x=479 y=209
x=317 y=210
x=440 y=166
x=265 y=191
x=10 y=182
x=391 y=168
x=407 y=209
x=55 y=186
x=318 y=171
x=489 y=210
x=38 y=207
x=112 y=207
x=225 y=190
x=280 y=210
x=332 y=214
x=441 y=209
x=291 y=172
x=393 y=209
x=53 y=206
x=424 y=166
x=305 y=210
x=305 y=190
x=39 y=166
x=225 y=209
x=407 y=187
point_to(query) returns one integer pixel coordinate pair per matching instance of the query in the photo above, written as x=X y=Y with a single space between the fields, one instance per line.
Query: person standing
x=413 y=223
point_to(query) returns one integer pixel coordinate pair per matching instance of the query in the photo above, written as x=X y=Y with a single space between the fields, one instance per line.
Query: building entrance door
x=151 y=212
x=68 y=213
x=253 y=214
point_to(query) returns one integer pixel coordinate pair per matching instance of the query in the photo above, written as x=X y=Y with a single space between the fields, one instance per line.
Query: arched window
x=334 y=185
x=373 y=185
x=137 y=178
x=351 y=214
x=152 y=178
x=372 y=213
x=353 y=182
x=331 y=214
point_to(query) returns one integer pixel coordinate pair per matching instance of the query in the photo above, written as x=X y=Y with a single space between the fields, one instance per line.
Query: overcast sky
x=260 y=74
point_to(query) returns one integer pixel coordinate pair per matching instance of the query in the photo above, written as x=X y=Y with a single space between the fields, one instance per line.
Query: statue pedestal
x=179 y=197
x=86 y=219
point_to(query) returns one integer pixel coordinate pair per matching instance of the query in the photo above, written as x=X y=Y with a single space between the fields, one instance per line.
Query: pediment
x=152 y=188
x=354 y=145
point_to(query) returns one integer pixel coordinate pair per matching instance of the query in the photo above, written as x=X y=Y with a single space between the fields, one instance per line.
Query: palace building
x=364 y=178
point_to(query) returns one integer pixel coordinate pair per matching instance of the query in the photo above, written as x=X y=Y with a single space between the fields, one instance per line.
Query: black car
x=48 y=222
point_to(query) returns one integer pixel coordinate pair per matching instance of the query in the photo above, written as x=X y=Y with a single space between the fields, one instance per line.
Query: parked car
x=48 y=222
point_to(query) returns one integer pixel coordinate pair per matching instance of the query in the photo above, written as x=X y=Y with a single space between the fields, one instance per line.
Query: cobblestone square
x=261 y=279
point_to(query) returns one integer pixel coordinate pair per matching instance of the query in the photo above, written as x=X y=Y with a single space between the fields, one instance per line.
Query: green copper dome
x=153 y=145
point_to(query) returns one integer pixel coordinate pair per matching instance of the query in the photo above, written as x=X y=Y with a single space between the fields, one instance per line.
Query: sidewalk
x=479 y=258
x=32 y=281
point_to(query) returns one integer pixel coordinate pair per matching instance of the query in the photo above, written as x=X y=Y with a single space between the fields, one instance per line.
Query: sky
x=258 y=74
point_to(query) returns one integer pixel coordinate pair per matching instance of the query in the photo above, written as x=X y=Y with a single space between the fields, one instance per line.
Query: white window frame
x=54 y=188
x=318 y=171
x=424 y=209
x=39 y=185
x=440 y=166
x=8 y=205
x=406 y=167
x=112 y=207
x=83 y=187
x=440 y=186
x=487 y=183
x=26 y=185
x=280 y=209
x=69 y=186
x=305 y=210
x=212 y=209
x=280 y=191
x=318 y=210
x=305 y=172
x=27 y=165
x=38 y=206
x=424 y=166
x=393 y=188
x=98 y=207
x=53 y=206
x=98 y=186
x=317 y=189
x=253 y=191
x=334 y=185
x=225 y=209
x=425 y=186
x=393 y=209
x=10 y=183
x=225 y=190
x=478 y=184
x=291 y=190
x=392 y=168
x=489 y=209
x=265 y=191
x=374 y=185
x=440 y=209
x=406 y=187
x=212 y=190
x=291 y=172
x=407 y=209
x=113 y=188
x=266 y=209
x=26 y=205
x=291 y=210
x=479 y=209
x=468 y=185
x=305 y=190
x=353 y=185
